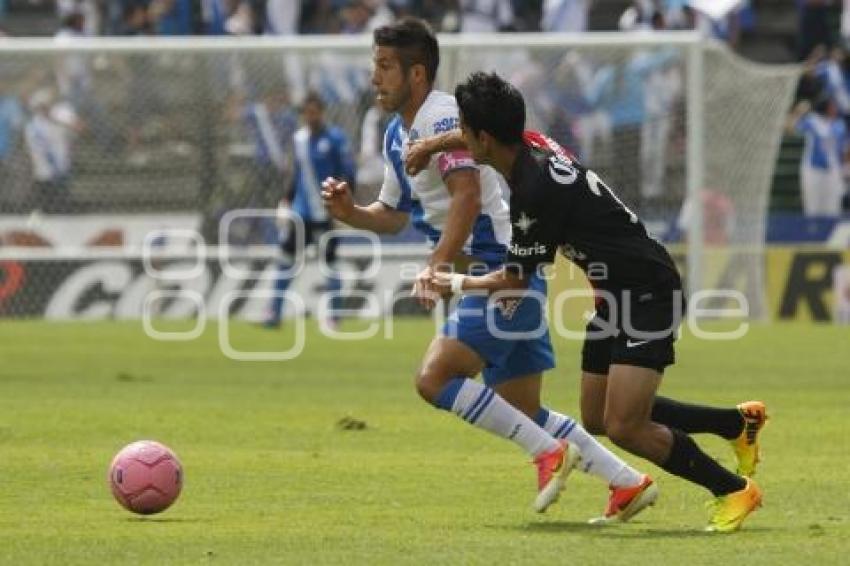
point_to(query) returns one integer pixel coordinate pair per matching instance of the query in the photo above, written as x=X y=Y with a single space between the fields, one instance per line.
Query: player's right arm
x=502 y=280
x=794 y=124
x=376 y=217
x=419 y=152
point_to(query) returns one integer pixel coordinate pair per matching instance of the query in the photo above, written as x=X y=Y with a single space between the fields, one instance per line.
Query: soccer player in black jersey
x=557 y=204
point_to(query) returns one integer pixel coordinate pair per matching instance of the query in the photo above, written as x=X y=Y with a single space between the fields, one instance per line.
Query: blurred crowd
x=821 y=115
x=286 y=17
x=621 y=111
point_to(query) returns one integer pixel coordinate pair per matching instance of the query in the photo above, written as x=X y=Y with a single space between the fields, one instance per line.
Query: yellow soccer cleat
x=746 y=446
x=730 y=510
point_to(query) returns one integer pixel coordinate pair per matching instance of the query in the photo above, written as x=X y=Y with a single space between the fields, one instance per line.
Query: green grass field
x=270 y=478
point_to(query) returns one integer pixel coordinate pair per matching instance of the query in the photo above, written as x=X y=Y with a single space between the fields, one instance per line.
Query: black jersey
x=557 y=204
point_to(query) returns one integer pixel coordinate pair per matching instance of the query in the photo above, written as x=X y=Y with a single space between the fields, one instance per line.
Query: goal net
x=109 y=146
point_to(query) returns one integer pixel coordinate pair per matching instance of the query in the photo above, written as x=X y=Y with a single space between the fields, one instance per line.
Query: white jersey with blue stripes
x=425 y=195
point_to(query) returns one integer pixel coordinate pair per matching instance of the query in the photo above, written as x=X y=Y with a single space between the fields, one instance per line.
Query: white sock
x=479 y=405
x=595 y=458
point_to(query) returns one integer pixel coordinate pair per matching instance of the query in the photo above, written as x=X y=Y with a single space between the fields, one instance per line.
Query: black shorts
x=641 y=335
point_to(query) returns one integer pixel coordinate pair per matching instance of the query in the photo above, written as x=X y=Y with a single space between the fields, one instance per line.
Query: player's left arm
x=464 y=186
x=465 y=189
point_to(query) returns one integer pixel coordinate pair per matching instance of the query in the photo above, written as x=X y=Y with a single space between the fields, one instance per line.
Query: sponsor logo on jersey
x=562 y=171
x=524 y=222
x=446 y=125
x=525 y=251
x=454 y=160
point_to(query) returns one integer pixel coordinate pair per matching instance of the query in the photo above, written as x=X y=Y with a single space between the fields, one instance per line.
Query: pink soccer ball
x=145 y=477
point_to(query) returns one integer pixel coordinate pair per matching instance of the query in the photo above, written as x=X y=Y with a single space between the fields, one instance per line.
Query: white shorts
x=822 y=190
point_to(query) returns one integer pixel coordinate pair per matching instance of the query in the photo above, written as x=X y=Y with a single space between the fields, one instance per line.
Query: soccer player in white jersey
x=460 y=209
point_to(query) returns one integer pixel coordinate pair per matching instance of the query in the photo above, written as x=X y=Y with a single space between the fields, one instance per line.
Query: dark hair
x=415 y=42
x=488 y=102
x=313 y=97
x=821 y=103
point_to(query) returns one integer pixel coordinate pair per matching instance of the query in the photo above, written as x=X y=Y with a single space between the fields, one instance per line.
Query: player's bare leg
x=594 y=388
x=444 y=381
x=630 y=392
x=631 y=491
x=628 y=409
x=523 y=393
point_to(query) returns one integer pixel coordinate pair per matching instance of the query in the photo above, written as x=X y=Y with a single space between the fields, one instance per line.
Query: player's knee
x=428 y=385
x=592 y=422
x=620 y=431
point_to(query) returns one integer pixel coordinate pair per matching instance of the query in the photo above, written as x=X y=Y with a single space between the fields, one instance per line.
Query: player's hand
x=441 y=282
x=417 y=156
x=423 y=290
x=337 y=199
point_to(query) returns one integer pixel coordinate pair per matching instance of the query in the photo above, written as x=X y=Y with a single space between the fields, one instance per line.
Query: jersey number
x=594 y=182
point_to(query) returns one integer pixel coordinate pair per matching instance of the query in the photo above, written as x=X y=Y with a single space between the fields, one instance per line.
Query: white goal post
x=686 y=132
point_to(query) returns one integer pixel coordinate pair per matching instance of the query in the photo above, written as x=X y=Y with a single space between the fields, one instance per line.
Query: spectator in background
x=214 y=14
x=49 y=135
x=320 y=16
x=486 y=16
x=565 y=15
x=528 y=15
x=724 y=26
x=811 y=85
x=576 y=88
x=834 y=74
x=271 y=122
x=370 y=160
x=76 y=84
x=443 y=15
x=814 y=26
x=135 y=19
x=142 y=96
x=72 y=71
x=282 y=17
x=364 y=16
x=11 y=124
x=89 y=11
x=824 y=154
x=662 y=94
x=171 y=17
x=242 y=20
x=228 y=17
x=321 y=151
x=638 y=16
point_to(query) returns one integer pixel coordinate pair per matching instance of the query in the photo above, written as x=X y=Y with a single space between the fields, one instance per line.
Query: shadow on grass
x=620 y=531
x=555 y=527
x=626 y=532
x=163 y=520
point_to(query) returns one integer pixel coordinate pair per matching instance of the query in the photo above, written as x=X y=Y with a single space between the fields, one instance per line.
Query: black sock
x=687 y=461
x=727 y=423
